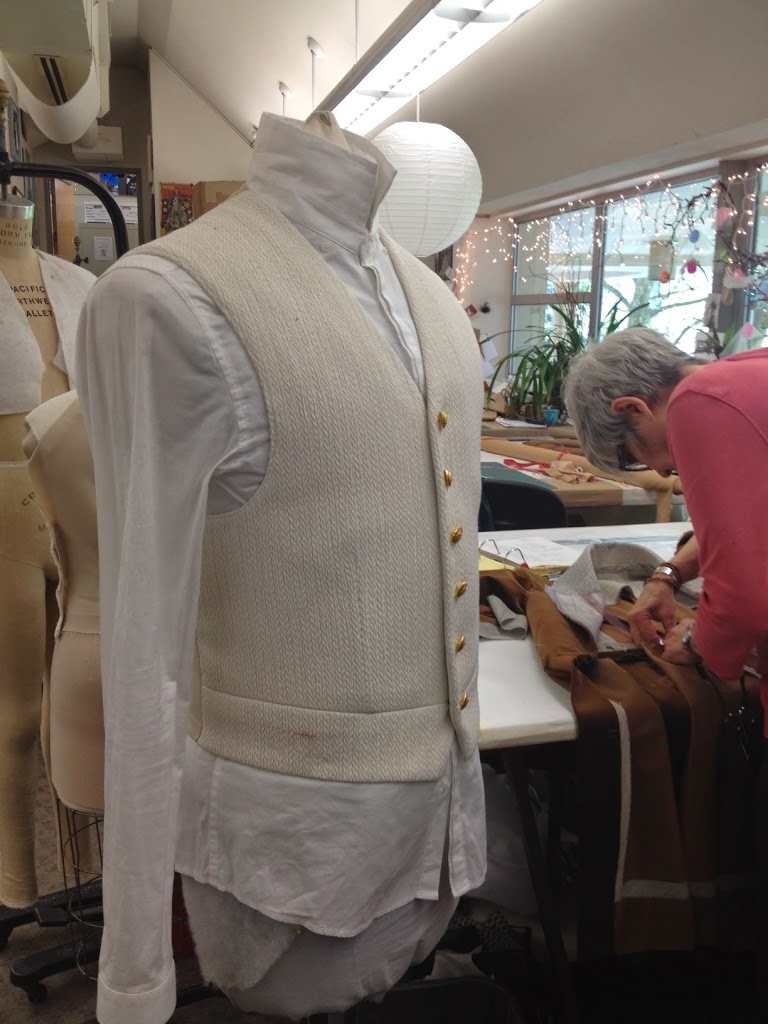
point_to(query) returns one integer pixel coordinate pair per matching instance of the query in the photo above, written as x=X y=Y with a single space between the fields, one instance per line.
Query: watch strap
x=668 y=573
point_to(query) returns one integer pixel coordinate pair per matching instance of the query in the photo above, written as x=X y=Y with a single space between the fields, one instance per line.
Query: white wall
x=190 y=140
x=491 y=276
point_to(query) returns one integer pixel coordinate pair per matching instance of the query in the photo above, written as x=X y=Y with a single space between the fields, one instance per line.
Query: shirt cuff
x=153 y=1007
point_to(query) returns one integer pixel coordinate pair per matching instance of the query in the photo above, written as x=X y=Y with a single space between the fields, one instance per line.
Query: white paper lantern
x=437 y=191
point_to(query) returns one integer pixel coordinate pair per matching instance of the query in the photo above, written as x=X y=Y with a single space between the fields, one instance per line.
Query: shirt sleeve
x=720 y=455
x=160 y=418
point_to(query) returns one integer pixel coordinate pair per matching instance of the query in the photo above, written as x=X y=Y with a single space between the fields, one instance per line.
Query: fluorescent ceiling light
x=429 y=39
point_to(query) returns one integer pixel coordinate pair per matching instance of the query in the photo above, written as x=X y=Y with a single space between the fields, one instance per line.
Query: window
x=757 y=295
x=658 y=262
x=554 y=256
x=650 y=251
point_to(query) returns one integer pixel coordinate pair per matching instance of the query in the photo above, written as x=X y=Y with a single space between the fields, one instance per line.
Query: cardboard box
x=208 y=194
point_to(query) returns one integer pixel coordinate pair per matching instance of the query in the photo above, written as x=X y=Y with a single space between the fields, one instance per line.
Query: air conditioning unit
x=107 y=148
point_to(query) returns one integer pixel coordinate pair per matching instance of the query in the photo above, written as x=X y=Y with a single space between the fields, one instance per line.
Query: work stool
x=514 y=505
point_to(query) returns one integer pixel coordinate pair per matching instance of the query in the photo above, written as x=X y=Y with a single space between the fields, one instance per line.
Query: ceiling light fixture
x=429 y=39
x=285 y=92
x=317 y=54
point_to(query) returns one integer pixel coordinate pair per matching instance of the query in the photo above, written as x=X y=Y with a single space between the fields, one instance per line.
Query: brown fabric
x=652 y=750
x=566 y=469
x=560 y=444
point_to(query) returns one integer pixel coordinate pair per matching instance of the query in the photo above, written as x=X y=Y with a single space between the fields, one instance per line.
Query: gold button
x=460 y=589
x=448 y=477
x=463 y=701
x=298 y=931
x=456 y=534
x=459 y=645
x=442 y=419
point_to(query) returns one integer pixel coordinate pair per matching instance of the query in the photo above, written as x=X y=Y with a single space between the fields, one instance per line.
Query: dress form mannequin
x=323 y=830
x=32 y=329
x=20 y=267
x=61 y=469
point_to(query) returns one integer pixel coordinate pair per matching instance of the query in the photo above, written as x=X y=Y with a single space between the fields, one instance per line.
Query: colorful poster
x=175 y=206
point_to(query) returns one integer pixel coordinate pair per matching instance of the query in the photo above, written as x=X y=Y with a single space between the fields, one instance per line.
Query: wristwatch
x=668 y=573
x=687 y=639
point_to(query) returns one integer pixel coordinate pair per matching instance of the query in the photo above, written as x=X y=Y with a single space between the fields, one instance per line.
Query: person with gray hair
x=636 y=361
x=638 y=400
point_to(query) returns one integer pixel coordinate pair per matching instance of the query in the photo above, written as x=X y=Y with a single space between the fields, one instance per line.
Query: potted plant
x=535 y=388
x=726 y=343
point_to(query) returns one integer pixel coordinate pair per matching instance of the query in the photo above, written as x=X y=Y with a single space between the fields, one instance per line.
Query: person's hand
x=656 y=601
x=674 y=651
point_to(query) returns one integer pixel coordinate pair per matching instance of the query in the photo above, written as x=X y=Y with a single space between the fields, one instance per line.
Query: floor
x=704 y=988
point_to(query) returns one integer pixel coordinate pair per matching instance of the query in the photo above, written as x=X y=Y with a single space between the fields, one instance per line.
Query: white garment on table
x=203 y=449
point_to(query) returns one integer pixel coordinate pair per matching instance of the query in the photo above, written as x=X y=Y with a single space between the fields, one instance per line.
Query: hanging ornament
x=722 y=216
x=437 y=191
x=736 y=278
x=664 y=277
x=694 y=236
x=747 y=331
x=691 y=266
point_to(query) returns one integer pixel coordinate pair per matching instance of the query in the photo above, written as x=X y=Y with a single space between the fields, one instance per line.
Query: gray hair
x=636 y=362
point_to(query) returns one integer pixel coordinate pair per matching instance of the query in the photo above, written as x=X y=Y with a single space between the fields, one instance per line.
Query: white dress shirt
x=179 y=429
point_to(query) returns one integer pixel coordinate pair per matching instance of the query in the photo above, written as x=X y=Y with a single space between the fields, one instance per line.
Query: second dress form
x=29 y=346
x=61 y=469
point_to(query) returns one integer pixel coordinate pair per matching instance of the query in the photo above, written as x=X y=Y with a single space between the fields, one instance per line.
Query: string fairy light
x=683 y=219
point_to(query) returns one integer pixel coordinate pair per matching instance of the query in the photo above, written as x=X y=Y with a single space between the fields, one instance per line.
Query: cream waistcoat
x=22 y=364
x=357 y=556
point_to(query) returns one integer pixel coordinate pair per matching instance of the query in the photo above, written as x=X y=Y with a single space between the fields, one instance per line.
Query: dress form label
x=23 y=275
x=15 y=236
x=33 y=299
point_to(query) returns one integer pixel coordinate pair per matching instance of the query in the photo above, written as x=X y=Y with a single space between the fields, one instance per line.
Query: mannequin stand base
x=42 y=910
x=28 y=974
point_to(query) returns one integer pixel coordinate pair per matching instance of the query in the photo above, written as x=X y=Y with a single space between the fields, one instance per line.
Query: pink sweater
x=717 y=422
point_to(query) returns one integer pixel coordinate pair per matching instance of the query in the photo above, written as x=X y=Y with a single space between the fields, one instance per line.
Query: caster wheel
x=37 y=993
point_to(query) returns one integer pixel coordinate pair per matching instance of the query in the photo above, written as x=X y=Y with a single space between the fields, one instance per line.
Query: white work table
x=519 y=704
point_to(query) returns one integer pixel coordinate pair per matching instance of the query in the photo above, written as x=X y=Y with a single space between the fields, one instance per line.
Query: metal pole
x=9 y=169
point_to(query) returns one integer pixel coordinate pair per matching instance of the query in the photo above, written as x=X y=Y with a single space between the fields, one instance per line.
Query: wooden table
x=595 y=494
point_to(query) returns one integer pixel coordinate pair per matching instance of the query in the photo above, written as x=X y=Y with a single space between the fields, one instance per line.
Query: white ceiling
x=584 y=93
x=575 y=94
x=234 y=52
